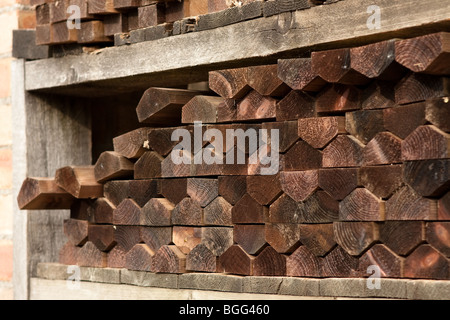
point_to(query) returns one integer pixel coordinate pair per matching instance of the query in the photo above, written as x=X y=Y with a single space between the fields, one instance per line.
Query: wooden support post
x=426 y=142
x=298 y=75
x=295 y=105
x=102 y=236
x=229 y=83
x=148 y=166
x=42 y=194
x=343 y=151
x=169 y=259
x=426 y=263
x=131 y=144
x=384 y=148
x=338 y=182
x=417 y=87
x=382 y=181
x=355 y=237
x=299 y=185
x=76 y=231
x=406 y=204
x=426 y=54
x=429 y=178
x=79 y=182
x=139 y=258
x=111 y=165
x=269 y=263
x=236 y=261
x=318 y=238
x=127 y=213
x=361 y=205
x=163 y=106
x=264 y=80
x=402 y=236
x=319 y=131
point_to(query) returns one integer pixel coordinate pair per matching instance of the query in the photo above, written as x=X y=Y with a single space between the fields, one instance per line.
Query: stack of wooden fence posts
x=364 y=173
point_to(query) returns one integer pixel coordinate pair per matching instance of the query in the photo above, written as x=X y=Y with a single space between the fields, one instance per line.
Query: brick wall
x=14 y=14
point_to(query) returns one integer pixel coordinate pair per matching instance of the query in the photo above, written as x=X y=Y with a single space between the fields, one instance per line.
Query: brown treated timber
x=426 y=263
x=148 y=166
x=92 y=32
x=236 y=261
x=218 y=212
x=284 y=210
x=116 y=191
x=79 y=182
x=217 y=239
x=318 y=238
x=157 y=212
x=155 y=237
x=336 y=66
x=43 y=193
x=90 y=256
x=151 y=15
x=248 y=210
x=426 y=54
x=444 y=207
x=302 y=156
x=283 y=237
x=101 y=211
x=377 y=60
x=187 y=212
x=298 y=75
x=127 y=212
x=384 y=148
x=406 y=204
x=232 y=188
x=174 y=190
x=299 y=185
x=355 y=237
x=295 y=105
x=364 y=124
x=319 y=131
x=438 y=235
x=265 y=81
x=203 y=190
x=186 y=238
x=426 y=142
x=338 y=182
x=361 y=205
x=250 y=237
x=388 y=263
x=382 y=181
x=378 y=95
x=131 y=144
x=338 y=263
x=269 y=263
x=343 y=151
x=338 y=98
x=303 y=263
x=437 y=112
x=402 y=120
x=264 y=189
x=429 y=178
x=139 y=258
x=127 y=237
x=201 y=259
x=417 y=87
x=101 y=7
x=163 y=105
x=169 y=259
x=229 y=83
x=255 y=106
x=202 y=108
x=102 y=236
x=111 y=165
x=320 y=207
x=76 y=231
x=402 y=236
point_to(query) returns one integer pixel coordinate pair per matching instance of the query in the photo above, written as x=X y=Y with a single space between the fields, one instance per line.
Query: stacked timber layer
x=363 y=177
x=119 y=22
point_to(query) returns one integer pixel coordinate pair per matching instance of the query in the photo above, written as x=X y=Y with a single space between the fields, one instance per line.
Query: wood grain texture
x=362 y=205
x=297 y=73
x=79 y=182
x=296 y=104
x=426 y=263
x=299 y=185
x=318 y=132
x=426 y=142
x=317 y=238
x=111 y=165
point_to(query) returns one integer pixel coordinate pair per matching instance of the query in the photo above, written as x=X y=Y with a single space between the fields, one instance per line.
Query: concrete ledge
x=276 y=287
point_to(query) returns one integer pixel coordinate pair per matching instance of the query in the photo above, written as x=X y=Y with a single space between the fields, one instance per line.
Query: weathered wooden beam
x=342 y=23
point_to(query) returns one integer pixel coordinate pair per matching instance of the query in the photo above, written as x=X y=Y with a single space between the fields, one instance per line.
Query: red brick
x=5 y=168
x=6 y=260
